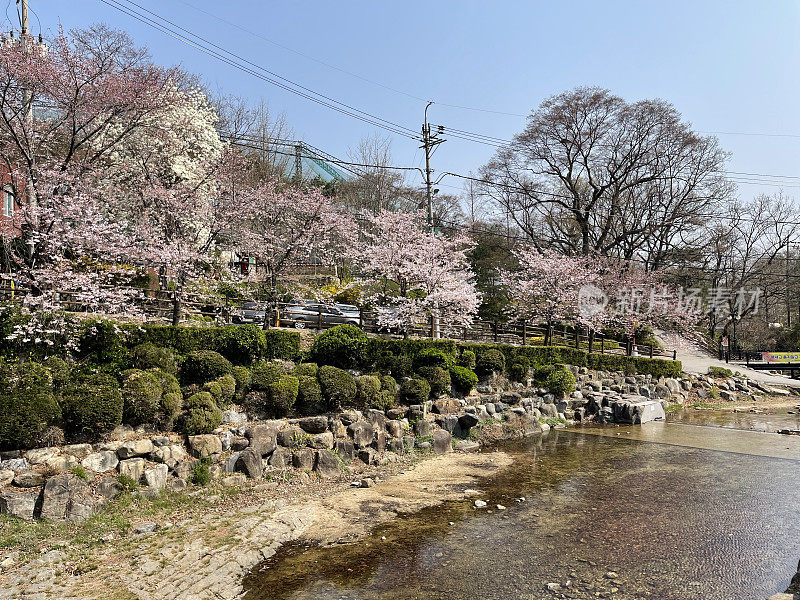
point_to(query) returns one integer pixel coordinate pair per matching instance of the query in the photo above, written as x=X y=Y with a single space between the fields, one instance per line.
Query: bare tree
x=593 y=173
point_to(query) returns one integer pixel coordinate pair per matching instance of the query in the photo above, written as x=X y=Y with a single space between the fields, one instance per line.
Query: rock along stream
x=663 y=511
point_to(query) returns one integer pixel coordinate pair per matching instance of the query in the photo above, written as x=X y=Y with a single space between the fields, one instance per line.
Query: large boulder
x=263 y=438
x=468 y=421
x=314 y=424
x=135 y=448
x=637 y=412
x=204 y=446
x=291 y=436
x=169 y=455
x=133 y=468
x=442 y=441
x=327 y=464
x=28 y=479
x=321 y=441
x=422 y=428
x=156 y=477
x=99 y=462
x=40 y=456
x=6 y=477
x=281 y=458
x=394 y=428
x=673 y=385
x=79 y=451
x=68 y=498
x=362 y=433
x=18 y=504
x=376 y=417
x=345 y=448
x=303 y=459
x=250 y=463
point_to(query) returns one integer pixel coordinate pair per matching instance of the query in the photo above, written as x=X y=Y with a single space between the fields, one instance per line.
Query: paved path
x=697 y=360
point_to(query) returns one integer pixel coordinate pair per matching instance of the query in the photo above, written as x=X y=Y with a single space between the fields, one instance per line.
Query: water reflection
x=615 y=518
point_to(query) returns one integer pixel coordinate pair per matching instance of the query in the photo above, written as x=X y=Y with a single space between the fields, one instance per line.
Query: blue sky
x=727 y=66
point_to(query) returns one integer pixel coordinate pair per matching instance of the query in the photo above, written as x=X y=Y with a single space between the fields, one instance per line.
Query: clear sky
x=728 y=66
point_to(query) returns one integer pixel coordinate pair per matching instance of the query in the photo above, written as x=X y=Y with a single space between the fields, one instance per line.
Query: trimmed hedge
x=467 y=359
x=27 y=405
x=560 y=381
x=306 y=369
x=437 y=377
x=141 y=394
x=415 y=391
x=265 y=374
x=338 y=386
x=518 y=369
x=342 y=346
x=149 y=356
x=91 y=405
x=463 y=379
x=281 y=396
x=411 y=347
x=243 y=377
x=204 y=365
x=489 y=361
x=202 y=414
x=309 y=396
x=368 y=387
x=433 y=357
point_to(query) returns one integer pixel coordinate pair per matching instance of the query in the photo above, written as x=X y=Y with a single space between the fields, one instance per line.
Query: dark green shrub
x=201 y=473
x=265 y=374
x=411 y=347
x=204 y=365
x=384 y=400
x=282 y=344
x=414 y=391
x=59 y=370
x=719 y=372
x=490 y=361
x=518 y=369
x=102 y=341
x=467 y=359
x=342 y=346
x=243 y=378
x=403 y=366
x=222 y=390
x=141 y=394
x=91 y=405
x=338 y=386
x=542 y=372
x=149 y=356
x=367 y=387
x=437 y=378
x=202 y=414
x=309 y=396
x=27 y=405
x=463 y=379
x=389 y=384
x=385 y=362
x=281 y=396
x=242 y=345
x=560 y=382
x=306 y=370
x=433 y=357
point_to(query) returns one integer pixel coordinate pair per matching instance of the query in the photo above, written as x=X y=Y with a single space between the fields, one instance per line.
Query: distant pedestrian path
x=695 y=359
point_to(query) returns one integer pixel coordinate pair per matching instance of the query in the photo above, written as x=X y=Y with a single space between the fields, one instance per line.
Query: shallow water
x=770 y=420
x=674 y=522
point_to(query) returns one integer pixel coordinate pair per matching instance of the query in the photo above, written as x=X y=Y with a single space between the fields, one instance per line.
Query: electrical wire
x=210 y=48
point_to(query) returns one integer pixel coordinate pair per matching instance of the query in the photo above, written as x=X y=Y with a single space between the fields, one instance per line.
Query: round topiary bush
x=518 y=369
x=490 y=361
x=141 y=394
x=27 y=405
x=228 y=385
x=389 y=384
x=149 y=356
x=243 y=377
x=281 y=396
x=202 y=414
x=560 y=381
x=342 y=346
x=467 y=359
x=385 y=362
x=265 y=374
x=204 y=365
x=306 y=370
x=432 y=357
x=437 y=378
x=91 y=405
x=309 y=396
x=463 y=379
x=403 y=366
x=243 y=344
x=384 y=400
x=338 y=386
x=367 y=387
x=414 y=391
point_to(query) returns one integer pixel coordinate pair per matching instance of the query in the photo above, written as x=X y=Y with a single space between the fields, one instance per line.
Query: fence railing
x=160 y=305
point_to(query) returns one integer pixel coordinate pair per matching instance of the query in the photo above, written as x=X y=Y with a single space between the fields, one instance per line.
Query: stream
x=668 y=511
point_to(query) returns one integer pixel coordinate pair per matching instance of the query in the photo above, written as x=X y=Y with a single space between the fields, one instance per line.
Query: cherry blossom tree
x=279 y=225
x=417 y=274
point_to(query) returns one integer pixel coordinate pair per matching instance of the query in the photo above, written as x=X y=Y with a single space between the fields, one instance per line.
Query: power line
x=210 y=48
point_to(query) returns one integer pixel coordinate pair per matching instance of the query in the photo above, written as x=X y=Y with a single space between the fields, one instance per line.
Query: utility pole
x=429 y=142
